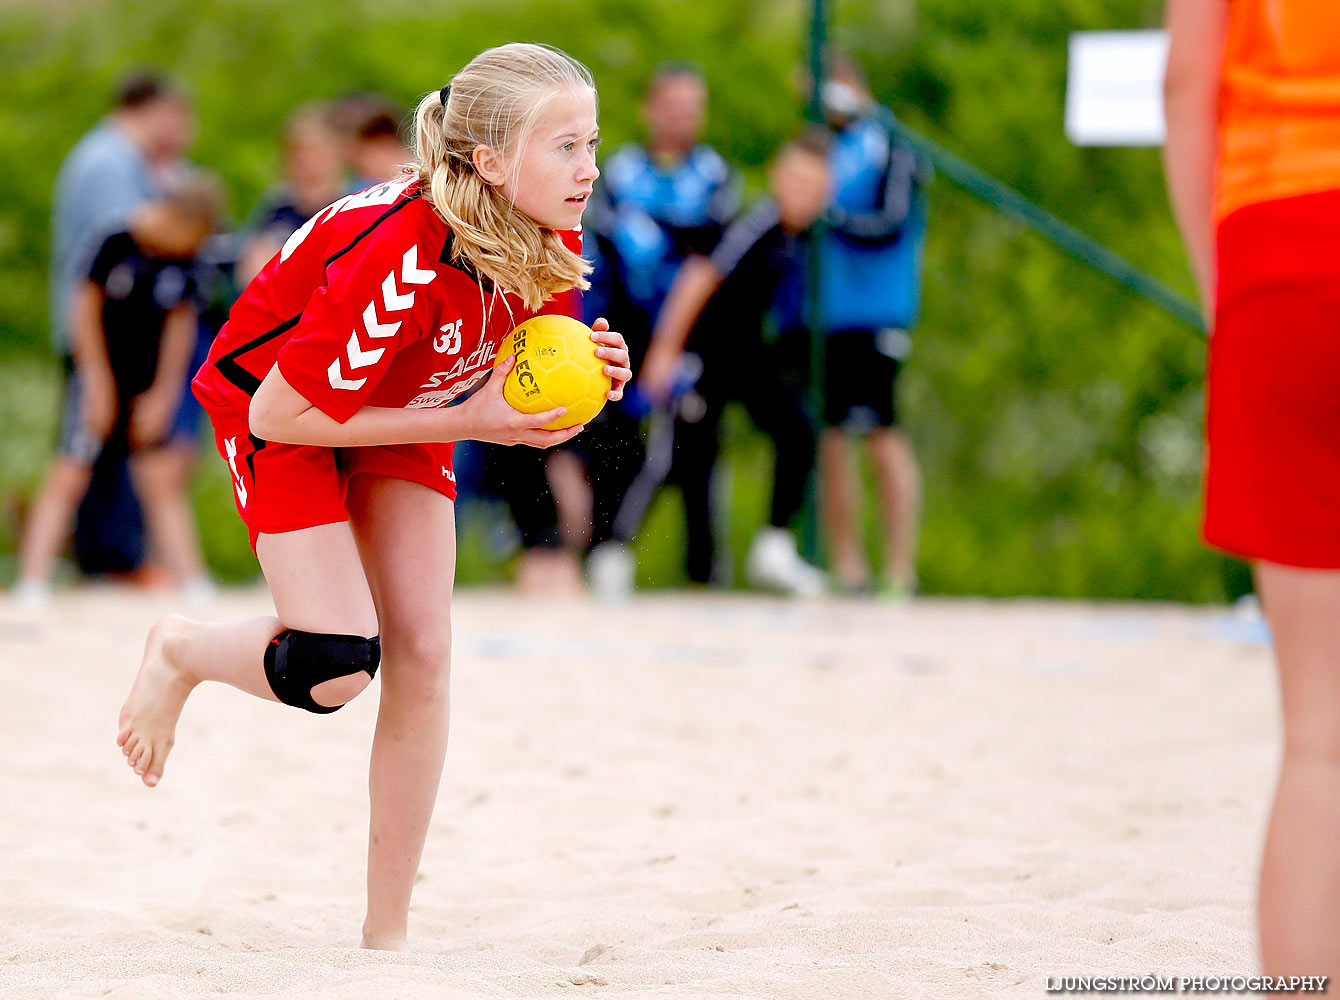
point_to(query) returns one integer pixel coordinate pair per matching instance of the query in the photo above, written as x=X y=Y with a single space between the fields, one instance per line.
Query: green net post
x=813 y=318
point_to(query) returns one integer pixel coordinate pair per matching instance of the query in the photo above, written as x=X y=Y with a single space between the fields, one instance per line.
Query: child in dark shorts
x=719 y=307
x=134 y=328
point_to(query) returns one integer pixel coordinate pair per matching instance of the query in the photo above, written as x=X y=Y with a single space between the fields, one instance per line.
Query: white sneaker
x=1248 y=608
x=774 y=563
x=32 y=595
x=199 y=591
x=610 y=570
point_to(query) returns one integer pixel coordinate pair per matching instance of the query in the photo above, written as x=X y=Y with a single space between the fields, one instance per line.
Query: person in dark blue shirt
x=314 y=165
x=371 y=124
x=869 y=292
x=718 y=311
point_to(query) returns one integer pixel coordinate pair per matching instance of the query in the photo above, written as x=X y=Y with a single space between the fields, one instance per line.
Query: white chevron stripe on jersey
x=338 y=382
x=359 y=358
x=409 y=268
x=374 y=328
x=239 y=484
x=392 y=299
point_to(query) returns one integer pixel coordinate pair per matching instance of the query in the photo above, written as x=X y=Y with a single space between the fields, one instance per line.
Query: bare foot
x=385 y=942
x=149 y=717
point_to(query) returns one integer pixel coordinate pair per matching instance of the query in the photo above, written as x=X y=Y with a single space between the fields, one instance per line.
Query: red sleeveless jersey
x=363 y=306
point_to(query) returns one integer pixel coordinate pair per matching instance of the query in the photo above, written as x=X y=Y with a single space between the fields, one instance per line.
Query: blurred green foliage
x=1057 y=416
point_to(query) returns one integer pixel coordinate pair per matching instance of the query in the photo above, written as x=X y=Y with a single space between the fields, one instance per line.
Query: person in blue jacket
x=869 y=292
x=659 y=204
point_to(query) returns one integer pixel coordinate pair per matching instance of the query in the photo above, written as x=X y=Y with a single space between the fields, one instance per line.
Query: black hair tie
x=443 y=94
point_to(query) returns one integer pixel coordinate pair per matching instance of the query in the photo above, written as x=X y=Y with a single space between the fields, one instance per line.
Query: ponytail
x=496 y=101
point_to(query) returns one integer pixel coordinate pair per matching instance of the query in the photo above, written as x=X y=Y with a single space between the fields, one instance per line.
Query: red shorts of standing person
x=1273 y=461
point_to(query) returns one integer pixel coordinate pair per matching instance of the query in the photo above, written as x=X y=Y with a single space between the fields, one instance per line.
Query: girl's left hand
x=614 y=350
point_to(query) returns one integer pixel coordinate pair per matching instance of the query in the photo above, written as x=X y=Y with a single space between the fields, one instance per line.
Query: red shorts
x=1273 y=466
x=285 y=487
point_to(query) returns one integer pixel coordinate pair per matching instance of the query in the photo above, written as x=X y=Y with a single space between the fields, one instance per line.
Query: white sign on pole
x=1114 y=90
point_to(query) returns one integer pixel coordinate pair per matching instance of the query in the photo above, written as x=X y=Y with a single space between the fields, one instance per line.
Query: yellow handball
x=556 y=365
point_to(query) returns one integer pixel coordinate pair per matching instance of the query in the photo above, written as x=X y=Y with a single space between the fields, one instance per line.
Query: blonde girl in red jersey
x=347 y=368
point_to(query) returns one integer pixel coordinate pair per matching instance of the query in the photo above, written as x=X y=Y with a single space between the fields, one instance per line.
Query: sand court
x=741 y=798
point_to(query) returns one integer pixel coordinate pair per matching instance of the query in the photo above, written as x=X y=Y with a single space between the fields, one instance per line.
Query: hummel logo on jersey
x=239 y=484
x=393 y=300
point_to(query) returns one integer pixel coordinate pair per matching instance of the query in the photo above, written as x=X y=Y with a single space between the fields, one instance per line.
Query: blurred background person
x=658 y=203
x=1252 y=99
x=547 y=496
x=314 y=171
x=112 y=170
x=718 y=308
x=549 y=500
x=375 y=150
x=870 y=284
x=133 y=325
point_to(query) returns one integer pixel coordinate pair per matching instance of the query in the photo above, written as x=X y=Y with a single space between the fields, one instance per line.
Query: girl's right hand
x=489 y=417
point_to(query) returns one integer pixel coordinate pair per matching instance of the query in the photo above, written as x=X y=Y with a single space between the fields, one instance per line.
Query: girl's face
x=550 y=175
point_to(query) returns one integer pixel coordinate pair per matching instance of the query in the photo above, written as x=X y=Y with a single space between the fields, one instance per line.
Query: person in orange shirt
x=1252 y=99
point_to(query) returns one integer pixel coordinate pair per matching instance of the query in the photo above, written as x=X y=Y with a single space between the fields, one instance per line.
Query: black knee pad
x=296 y=662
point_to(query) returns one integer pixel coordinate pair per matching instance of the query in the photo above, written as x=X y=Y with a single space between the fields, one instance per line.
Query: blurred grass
x=29 y=410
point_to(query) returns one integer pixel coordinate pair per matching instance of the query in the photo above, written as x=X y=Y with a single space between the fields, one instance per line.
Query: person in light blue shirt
x=868 y=296
x=110 y=172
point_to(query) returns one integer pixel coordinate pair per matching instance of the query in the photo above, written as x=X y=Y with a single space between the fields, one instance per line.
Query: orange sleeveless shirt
x=1279 y=102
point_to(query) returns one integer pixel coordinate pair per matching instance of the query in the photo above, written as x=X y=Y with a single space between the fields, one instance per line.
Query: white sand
x=712 y=797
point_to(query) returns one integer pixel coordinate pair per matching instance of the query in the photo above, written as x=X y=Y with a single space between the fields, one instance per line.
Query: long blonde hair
x=496 y=101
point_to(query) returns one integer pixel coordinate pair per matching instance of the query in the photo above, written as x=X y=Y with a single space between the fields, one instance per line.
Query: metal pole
x=813 y=314
x=815 y=113
x=818 y=42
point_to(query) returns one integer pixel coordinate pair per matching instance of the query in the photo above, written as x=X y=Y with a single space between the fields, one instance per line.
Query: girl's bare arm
x=280 y=413
x=1196 y=30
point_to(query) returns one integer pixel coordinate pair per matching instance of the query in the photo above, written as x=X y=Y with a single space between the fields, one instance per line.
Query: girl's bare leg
x=1300 y=873
x=318 y=586
x=409 y=551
